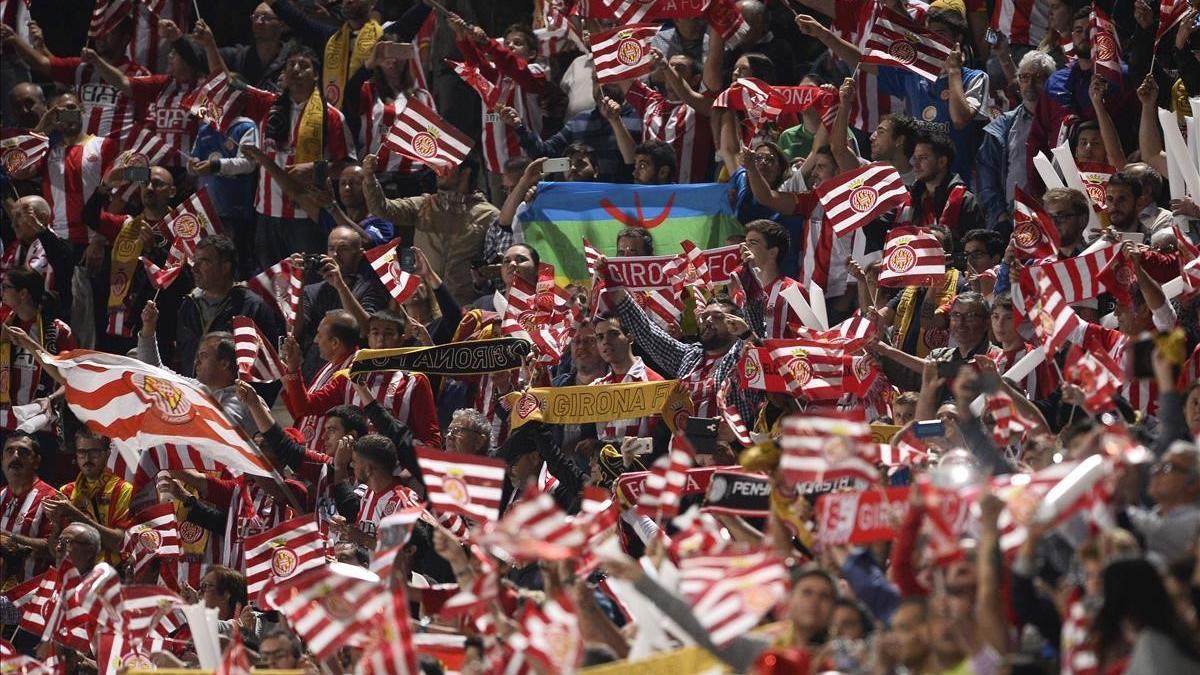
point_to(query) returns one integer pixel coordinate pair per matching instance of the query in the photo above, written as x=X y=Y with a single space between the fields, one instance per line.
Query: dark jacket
x=319 y=298
x=240 y=301
x=969 y=218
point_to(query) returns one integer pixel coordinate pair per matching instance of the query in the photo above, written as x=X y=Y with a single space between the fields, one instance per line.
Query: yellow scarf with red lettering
x=310 y=137
x=126 y=250
x=38 y=332
x=334 y=72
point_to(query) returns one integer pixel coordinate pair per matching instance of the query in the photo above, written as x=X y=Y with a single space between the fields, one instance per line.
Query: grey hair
x=90 y=534
x=474 y=419
x=40 y=207
x=1039 y=59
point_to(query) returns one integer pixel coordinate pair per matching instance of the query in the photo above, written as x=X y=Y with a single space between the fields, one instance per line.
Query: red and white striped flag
x=21 y=149
x=140 y=406
x=391 y=535
x=730 y=414
x=535 y=527
x=810 y=368
x=1052 y=495
x=463 y=484
x=1106 y=50
x=759 y=100
x=161 y=277
x=330 y=606
x=145 y=612
x=912 y=256
x=893 y=39
x=189 y=222
x=154 y=537
x=1007 y=423
x=216 y=101
x=550 y=635
x=699 y=534
x=1024 y=22
x=106 y=14
x=1034 y=235
x=906 y=451
x=1170 y=12
x=280 y=285
x=39 y=599
x=290 y=548
x=421 y=134
x=1078 y=278
x=483 y=590
x=235 y=661
x=257 y=360
x=141 y=146
x=385 y=261
x=756 y=370
x=622 y=53
x=488 y=92
x=730 y=593
x=828 y=447
x=1098 y=374
x=15 y=14
x=391 y=651
x=663 y=489
x=545 y=318
x=1052 y=318
x=855 y=198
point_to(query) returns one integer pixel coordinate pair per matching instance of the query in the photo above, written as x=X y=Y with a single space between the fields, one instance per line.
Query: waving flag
x=912 y=256
x=855 y=198
x=488 y=92
x=756 y=370
x=216 y=101
x=663 y=489
x=1034 y=234
x=391 y=535
x=544 y=318
x=140 y=406
x=759 y=100
x=141 y=146
x=189 y=222
x=330 y=606
x=730 y=593
x=622 y=53
x=896 y=40
x=235 y=661
x=391 y=651
x=829 y=447
x=1007 y=423
x=812 y=368
x=385 y=261
x=562 y=214
x=1052 y=318
x=145 y=612
x=1170 y=12
x=106 y=14
x=154 y=537
x=1078 y=278
x=550 y=635
x=282 y=552
x=420 y=134
x=1090 y=368
x=280 y=285
x=535 y=527
x=20 y=149
x=1106 y=50
x=469 y=486
x=257 y=360
x=161 y=277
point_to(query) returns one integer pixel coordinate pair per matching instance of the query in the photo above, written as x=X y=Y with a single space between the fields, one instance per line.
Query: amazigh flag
x=564 y=213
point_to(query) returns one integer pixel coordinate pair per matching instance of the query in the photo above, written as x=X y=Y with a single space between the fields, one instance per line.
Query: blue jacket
x=991 y=166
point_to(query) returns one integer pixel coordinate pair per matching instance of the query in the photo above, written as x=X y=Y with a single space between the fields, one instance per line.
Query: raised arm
x=204 y=35
x=107 y=71
x=683 y=91
x=1108 y=131
x=839 y=135
x=36 y=59
x=529 y=180
x=840 y=48
x=611 y=110
x=1149 y=138
x=961 y=112
x=764 y=194
x=714 y=62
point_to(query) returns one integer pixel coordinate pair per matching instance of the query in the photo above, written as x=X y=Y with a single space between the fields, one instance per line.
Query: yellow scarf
x=583 y=404
x=907 y=308
x=310 y=137
x=38 y=332
x=126 y=250
x=334 y=73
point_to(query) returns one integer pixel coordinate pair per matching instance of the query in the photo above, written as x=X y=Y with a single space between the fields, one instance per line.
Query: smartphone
x=490 y=271
x=702 y=434
x=556 y=165
x=401 y=51
x=991 y=37
x=1143 y=357
x=929 y=429
x=70 y=116
x=406 y=259
x=136 y=174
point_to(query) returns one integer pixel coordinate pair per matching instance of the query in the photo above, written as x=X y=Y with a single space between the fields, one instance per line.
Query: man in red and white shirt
x=616 y=348
x=681 y=121
x=766 y=243
x=35 y=246
x=107 y=111
x=29 y=329
x=375 y=459
x=24 y=527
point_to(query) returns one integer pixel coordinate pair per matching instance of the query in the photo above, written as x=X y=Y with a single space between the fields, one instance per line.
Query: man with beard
x=1069 y=209
x=1122 y=196
x=24 y=525
x=98 y=497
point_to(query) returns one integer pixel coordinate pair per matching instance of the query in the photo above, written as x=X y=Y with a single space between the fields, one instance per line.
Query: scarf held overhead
x=335 y=72
x=457 y=358
x=587 y=404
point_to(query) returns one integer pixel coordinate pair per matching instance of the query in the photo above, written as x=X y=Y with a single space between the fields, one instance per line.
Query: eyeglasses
x=960 y=316
x=206 y=586
x=262 y=18
x=1062 y=215
x=455 y=431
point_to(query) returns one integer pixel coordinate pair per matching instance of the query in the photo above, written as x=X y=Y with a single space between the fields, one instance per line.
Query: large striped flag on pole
x=106 y=14
x=280 y=285
x=855 y=198
x=257 y=360
x=828 y=447
x=216 y=100
x=330 y=606
x=731 y=592
x=1034 y=234
x=462 y=484
x=1106 y=50
x=21 y=149
x=140 y=406
x=282 y=552
x=893 y=39
x=622 y=53
x=1024 y=22
x=385 y=261
x=912 y=256
x=421 y=134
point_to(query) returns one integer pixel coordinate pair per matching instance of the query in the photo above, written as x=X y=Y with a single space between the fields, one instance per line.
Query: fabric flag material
x=622 y=53
x=469 y=486
x=189 y=222
x=488 y=92
x=1170 y=12
x=280 y=285
x=829 y=447
x=257 y=360
x=161 y=277
x=216 y=101
x=1090 y=368
x=535 y=527
x=731 y=593
x=1078 y=278
x=562 y=214
x=106 y=14
x=1052 y=318
x=391 y=651
x=1106 y=51
x=391 y=535
x=1007 y=423
x=545 y=318
x=282 y=552
x=756 y=371
x=1034 y=234
x=810 y=368
x=474 y=357
x=144 y=612
x=155 y=536
x=896 y=40
x=1025 y=22
x=235 y=661
x=420 y=134
x=1119 y=278
x=581 y=404
x=912 y=256
x=760 y=101
x=855 y=198
x=330 y=606
x=20 y=150
x=385 y=261
x=141 y=406
x=141 y=146
x=663 y=489
x=550 y=635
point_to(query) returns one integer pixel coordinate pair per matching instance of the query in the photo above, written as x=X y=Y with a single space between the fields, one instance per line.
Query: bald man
x=36 y=246
x=28 y=104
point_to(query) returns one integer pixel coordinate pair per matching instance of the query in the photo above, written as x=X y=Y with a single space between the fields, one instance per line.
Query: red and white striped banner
x=912 y=256
x=1106 y=49
x=235 y=661
x=330 y=606
x=282 y=552
x=855 y=198
x=1098 y=374
x=1007 y=423
x=760 y=101
x=828 y=447
x=280 y=285
x=216 y=101
x=421 y=134
x=154 y=537
x=1034 y=234
x=21 y=149
x=893 y=39
x=535 y=527
x=622 y=53
x=488 y=92
x=731 y=593
x=463 y=484
x=257 y=360
x=1078 y=278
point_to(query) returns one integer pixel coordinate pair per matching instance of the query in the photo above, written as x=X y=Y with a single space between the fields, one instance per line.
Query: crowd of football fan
x=302 y=174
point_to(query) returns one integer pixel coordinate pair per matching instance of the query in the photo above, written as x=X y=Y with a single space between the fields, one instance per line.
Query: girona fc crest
x=283 y=562
x=1105 y=50
x=750 y=368
x=902 y=259
x=425 y=144
x=149 y=538
x=903 y=51
x=1026 y=235
x=120 y=281
x=862 y=198
x=799 y=367
x=14 y=159
x=527 y=405
x=1095 y=192
x=862 y=367
x=190 y=533
x=629 y=51
x=337 y=606
x=455 y=488
x=528 y=320
x=187 y=226
x=166 y=399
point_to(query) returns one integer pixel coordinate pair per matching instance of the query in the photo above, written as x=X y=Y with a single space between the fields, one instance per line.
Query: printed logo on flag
x=1095 y=188
x=799 y=367
x=149 y=537
x=629 y=49
x=751 y=367
x=337 y=606
x=190 y=532
x=332 y=92
x=903 y=51
x=903 y=258
x=861 y=367
x=1027 y=234
x=862 y=197
x=527 y=405
x=166 y=399
x=1105 y=49
x=454 y=486
x=119 y=281
x=187 y=226
x=283 y=561
x=425 y=143
x=14 y=159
